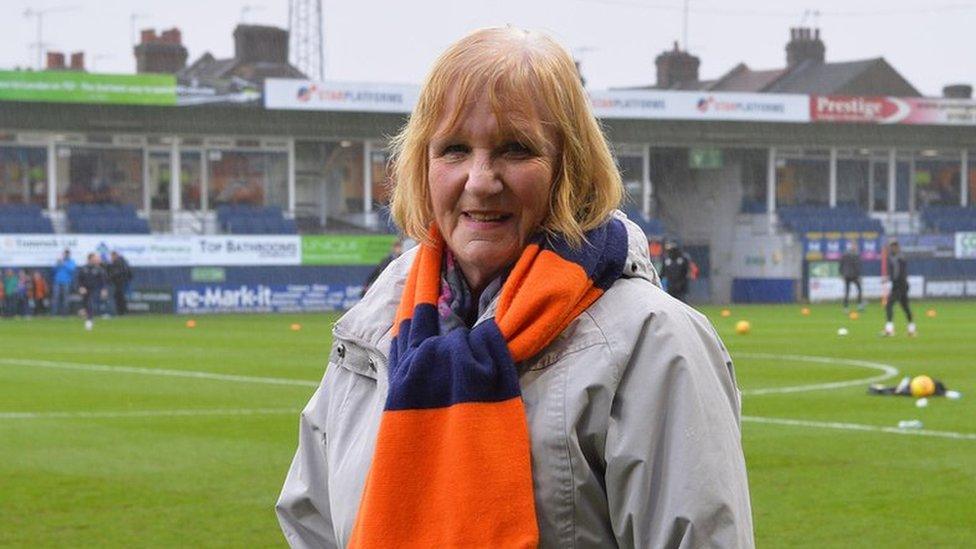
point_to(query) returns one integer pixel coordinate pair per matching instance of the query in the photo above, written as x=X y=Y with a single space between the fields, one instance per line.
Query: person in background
x=10 y=301
x=850 y=269
x=24 y=301
x=676 y=271
x=119 y=275
x=92 y=282
x=39 y=292
x=896 y=281
x=64 y=279
x=395 y=251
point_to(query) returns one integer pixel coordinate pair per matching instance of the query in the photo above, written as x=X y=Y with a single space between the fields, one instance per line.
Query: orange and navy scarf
x=452 y=466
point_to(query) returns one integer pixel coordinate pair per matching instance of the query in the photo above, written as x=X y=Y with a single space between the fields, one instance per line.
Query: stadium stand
x=240 y=219
x=106 y=219
x=651 y=226
x=949 y=219
x=752 y=206
x=23 y=219
x=802 y=219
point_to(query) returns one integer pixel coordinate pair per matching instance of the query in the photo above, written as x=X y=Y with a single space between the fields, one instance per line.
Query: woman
x=521 y=379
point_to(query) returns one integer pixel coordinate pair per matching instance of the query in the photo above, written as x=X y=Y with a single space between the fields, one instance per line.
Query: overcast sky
x=931 y=42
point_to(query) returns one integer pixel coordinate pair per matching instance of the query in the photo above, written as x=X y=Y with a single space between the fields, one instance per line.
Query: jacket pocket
x=354 y=358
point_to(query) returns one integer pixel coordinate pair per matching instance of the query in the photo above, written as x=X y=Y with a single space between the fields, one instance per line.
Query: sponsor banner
x=151 y=300
x=813 y=246
x=208 y=274
x=244 y=298
x=682 y=105
x=345 y=249
x=824 y=269
x=965 y=245
x=247 y=250
x=832 y=245
x=832 y=288
x=83 y=87
x=290 y=94
x=927 y=245
x=971 y=288
x=893 y=110
x=43 y=250
x=945 y=288
x=305 y=95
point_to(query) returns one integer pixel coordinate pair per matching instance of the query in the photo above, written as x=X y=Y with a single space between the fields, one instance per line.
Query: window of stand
x=329 y=193
x=752 y=175
x=853 y=178
x=937 y=177
x=803 y=177
x=99 y=175
x=23 y=175
x=632 y=173
x=247 y=177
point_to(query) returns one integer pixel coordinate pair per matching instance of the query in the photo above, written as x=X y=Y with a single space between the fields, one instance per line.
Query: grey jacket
x=633 y=415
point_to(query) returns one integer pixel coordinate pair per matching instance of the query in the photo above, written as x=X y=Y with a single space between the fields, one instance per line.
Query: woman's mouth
x=486 y=217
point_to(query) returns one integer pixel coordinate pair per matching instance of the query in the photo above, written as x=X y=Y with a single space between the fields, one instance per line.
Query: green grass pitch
x=147 y=433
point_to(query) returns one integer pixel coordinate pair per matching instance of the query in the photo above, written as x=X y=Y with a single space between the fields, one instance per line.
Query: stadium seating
x=808 y=218
x=105 y=219
x=240 y=219
x=23 y=219
x=651 y=226
x=949 y=219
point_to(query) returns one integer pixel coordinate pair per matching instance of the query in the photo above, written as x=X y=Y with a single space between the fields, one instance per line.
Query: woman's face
x=489 y=190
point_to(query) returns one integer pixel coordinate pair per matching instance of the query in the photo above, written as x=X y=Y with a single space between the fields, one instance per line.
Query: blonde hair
x=518 y=69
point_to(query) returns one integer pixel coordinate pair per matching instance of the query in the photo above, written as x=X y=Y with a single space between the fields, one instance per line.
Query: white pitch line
x=889 y=371
x=148 y=413
x=155 y=372
x=859 y=427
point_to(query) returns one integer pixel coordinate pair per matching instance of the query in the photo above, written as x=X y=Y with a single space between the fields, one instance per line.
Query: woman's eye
x=517 y=149
x=454 y=149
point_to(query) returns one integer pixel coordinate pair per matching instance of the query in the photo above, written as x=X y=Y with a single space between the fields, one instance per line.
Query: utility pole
x=306 y=43
x=39 y=15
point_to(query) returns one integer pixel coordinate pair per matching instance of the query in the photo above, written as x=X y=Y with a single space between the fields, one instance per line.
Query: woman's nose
x=483 y=176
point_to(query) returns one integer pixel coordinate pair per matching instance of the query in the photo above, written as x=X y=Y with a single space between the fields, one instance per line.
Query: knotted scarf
x=452 y=466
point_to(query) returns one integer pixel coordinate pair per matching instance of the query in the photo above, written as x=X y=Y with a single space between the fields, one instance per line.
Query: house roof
x=208 y=68
x=820 y=78
x=743 y=79
x=807 y=77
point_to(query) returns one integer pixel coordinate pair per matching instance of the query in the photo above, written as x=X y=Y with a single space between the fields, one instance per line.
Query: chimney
x=258 y=43
x=163 y=53
x=78 y=61
x=804 y=45
x=55 y=61
x=676 y=67
x=957 y=91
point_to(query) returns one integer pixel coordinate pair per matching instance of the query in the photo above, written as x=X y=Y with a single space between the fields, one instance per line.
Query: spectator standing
x=64 y=279
x=676 y=271
x=39 y=292
x=92 y=282
x=24 y=301
x=850 y=269
x=119 y=275
x=10 y=283
x=897 y=279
